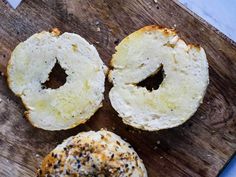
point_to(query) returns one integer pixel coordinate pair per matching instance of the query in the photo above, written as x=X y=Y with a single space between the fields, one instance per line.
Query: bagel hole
x=154 y=81
x=56 y=78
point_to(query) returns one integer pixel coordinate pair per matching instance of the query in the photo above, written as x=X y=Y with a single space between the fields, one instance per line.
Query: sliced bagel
x=69 y=105
x=101 y=153
x=141 y=55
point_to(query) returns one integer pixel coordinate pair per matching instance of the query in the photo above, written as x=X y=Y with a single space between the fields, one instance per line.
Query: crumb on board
x=98 y=29
x=37 y=155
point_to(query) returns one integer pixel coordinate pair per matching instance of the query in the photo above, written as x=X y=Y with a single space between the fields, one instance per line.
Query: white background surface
x=14 y=3
x=219 y=13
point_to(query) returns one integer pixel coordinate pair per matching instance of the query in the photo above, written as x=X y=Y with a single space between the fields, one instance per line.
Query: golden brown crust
x=164 y=30
x=56 y=32
x=196 y=46
x=47 y=163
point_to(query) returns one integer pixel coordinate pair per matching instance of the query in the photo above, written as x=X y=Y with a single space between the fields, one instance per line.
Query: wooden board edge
x=219 y=33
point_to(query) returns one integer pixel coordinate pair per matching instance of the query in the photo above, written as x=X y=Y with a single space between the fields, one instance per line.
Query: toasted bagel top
x=72 y=103
x=140 y=55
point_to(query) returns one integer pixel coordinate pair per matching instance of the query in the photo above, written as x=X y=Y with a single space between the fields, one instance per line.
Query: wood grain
x=200 y=147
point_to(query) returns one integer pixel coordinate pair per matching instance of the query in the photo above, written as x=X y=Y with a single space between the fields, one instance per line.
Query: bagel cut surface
x=142 y=54
x=72 y=103
x=100 y=153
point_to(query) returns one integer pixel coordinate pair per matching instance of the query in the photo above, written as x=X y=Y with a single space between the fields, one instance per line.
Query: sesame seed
x=112 y=156
x=78 y=166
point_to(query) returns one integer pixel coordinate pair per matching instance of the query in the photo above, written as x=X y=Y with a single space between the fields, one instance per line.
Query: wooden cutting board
x=200 y=147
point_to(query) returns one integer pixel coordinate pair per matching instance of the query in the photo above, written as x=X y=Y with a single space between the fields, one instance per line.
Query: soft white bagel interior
x=75 y=101
x=186 y=77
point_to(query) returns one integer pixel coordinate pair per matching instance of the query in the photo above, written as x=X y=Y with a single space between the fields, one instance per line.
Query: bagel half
x=74 y=102
x=101 y=153
x=140 y=55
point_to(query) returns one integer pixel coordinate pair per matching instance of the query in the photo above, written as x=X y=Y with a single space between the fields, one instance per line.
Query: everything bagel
x=100 y=153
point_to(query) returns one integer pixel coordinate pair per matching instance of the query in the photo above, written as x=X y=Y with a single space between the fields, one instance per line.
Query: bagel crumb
x=98 y=29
